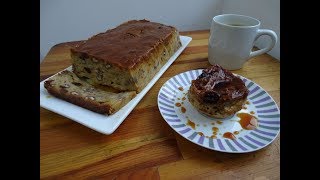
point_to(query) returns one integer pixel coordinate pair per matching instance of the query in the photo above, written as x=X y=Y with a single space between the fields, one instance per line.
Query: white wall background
x=72 y=20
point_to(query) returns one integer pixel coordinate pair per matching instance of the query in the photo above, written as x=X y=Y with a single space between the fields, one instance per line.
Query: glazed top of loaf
x=125 y=45
x=218 y=85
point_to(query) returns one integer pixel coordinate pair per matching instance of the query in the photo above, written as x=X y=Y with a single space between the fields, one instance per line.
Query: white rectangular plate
x=102 y=123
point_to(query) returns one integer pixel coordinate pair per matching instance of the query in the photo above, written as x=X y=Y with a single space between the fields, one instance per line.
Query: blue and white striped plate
x=260 y=104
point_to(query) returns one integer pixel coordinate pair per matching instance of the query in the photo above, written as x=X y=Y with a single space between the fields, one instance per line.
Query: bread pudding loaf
x=126 y=57
x=217 y=92
x=66 y=85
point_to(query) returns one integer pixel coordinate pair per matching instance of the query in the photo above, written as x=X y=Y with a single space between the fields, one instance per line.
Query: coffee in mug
x=231 y=40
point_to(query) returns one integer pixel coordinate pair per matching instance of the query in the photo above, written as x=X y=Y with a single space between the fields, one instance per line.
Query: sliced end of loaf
x=66 y=85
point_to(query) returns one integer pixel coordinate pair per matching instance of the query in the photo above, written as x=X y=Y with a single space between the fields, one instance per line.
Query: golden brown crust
x=138 y=76
x=126 y=45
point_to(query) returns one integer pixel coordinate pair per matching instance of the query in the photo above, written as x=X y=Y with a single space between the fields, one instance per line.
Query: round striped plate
x=198 y=128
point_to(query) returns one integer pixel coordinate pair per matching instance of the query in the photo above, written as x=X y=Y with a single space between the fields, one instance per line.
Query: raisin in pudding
x=217 y=92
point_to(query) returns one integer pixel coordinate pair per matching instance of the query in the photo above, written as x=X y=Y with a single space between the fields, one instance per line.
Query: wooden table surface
x=144 y=146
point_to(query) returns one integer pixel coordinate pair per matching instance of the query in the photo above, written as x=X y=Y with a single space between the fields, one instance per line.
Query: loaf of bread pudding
x=126 y=57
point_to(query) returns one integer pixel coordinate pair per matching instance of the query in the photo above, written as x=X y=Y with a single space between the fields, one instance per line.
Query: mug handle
x=274 y=39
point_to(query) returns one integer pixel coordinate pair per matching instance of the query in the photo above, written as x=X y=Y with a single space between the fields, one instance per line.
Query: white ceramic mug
x=231 y=40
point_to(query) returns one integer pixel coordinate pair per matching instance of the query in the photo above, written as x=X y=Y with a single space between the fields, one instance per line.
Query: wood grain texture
x=144 y=146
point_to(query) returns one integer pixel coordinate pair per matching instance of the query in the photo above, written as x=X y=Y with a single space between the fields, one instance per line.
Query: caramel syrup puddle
x=183 y=109
x=213 y=136
x=191 y=124
x=215 y=129
x=200 y=133
x=247 y=121
x=219 y=122
x=229 y=135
